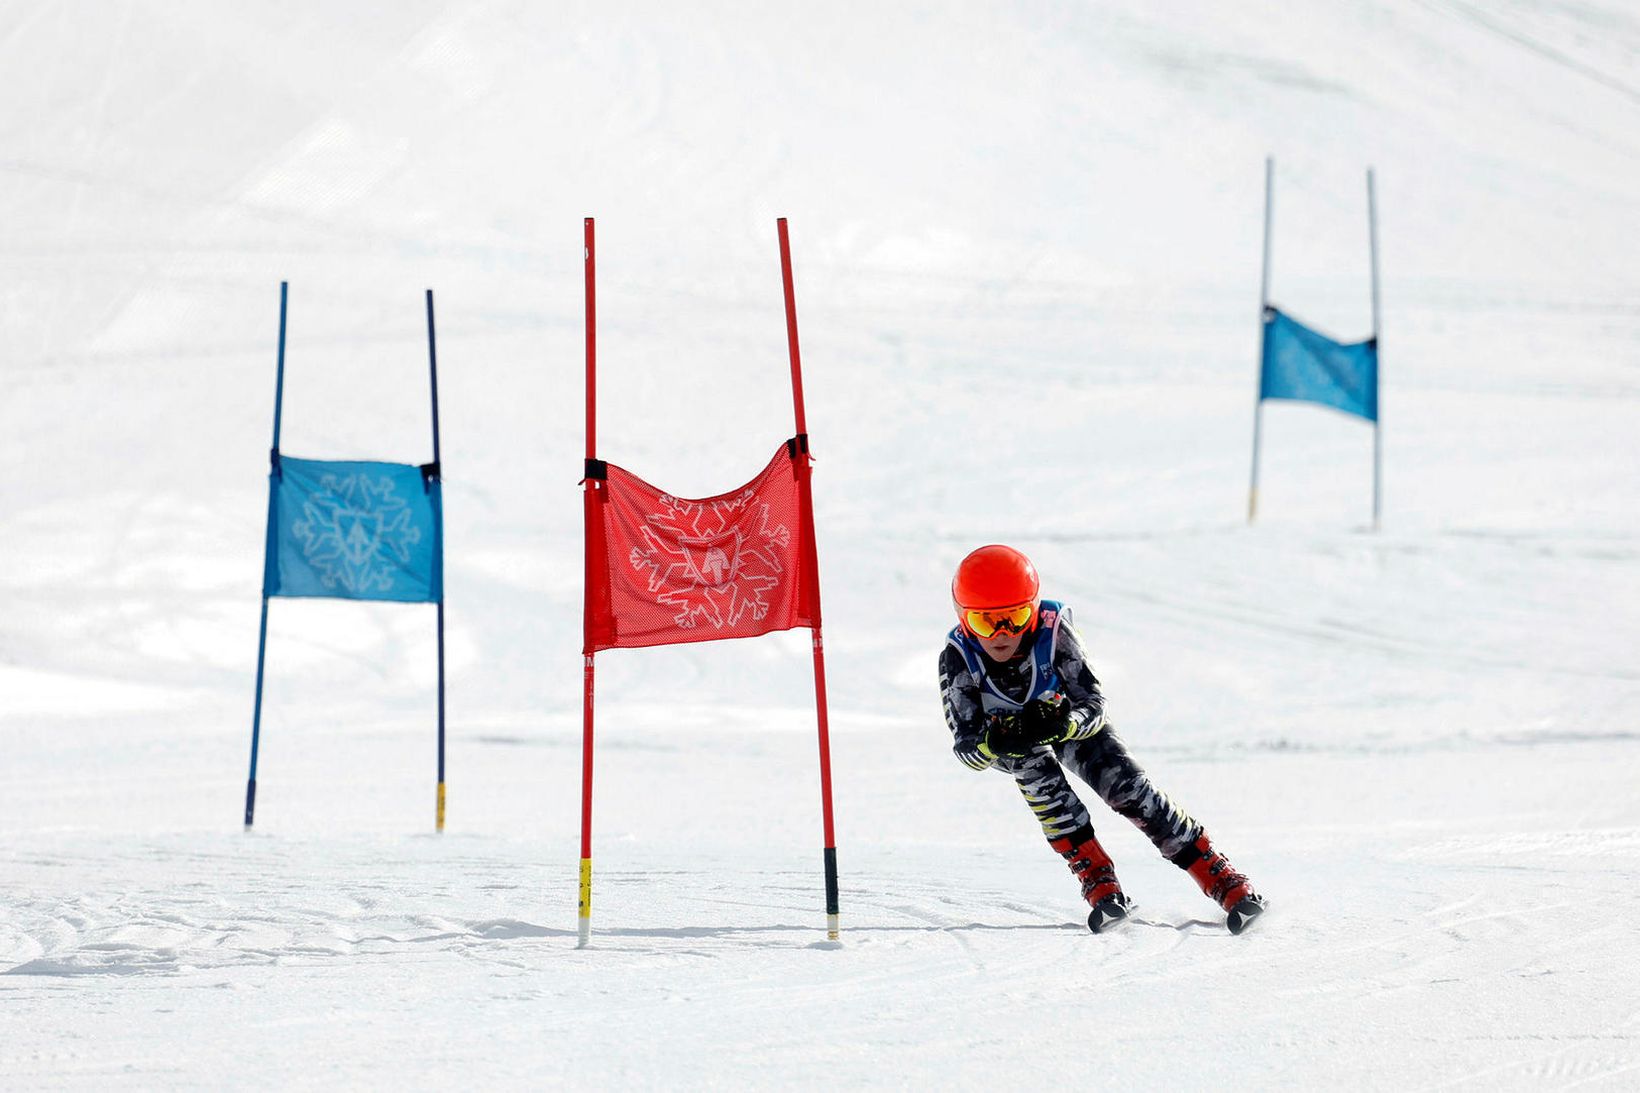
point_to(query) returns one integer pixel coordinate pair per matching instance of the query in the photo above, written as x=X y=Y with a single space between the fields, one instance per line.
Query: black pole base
x=831 y=893
x=831 y=880
x=250 y=802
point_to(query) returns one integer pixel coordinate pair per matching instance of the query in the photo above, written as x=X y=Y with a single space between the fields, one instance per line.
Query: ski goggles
x=999 y=620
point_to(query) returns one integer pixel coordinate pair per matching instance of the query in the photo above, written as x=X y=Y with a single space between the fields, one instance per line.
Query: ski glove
x=1006 y=737
x=968 y=750
x=1050 y=720
x=1042 y=723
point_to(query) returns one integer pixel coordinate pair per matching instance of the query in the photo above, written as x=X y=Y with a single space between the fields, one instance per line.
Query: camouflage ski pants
x=1103 y=762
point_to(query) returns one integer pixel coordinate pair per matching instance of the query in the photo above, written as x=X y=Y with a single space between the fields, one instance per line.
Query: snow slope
x=1026 y=239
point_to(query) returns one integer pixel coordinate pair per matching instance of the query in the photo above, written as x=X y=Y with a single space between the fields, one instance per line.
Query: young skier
x=1019 y=696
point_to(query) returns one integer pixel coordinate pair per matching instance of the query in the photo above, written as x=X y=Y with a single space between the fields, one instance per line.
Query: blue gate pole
x=438 y=533
x=267 y=558
x=1263 y=309
x=1378 y=365
x=256 y=720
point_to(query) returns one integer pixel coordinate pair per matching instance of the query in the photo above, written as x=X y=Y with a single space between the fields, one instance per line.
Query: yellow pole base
x=831 y=927
x=584 y=923
x=440 y=822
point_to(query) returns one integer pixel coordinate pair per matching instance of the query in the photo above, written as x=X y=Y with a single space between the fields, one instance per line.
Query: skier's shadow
x=730 y=931
x=749 y=933
x=684 y=933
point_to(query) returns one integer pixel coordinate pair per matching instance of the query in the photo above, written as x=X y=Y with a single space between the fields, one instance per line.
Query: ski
x=1245 y=913
x=1108 y=912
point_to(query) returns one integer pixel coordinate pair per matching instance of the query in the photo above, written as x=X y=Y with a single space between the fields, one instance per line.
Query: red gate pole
x=590 y=487
x=812 y=567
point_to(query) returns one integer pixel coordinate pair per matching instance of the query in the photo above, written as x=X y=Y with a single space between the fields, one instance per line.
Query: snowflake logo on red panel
x=712 y=561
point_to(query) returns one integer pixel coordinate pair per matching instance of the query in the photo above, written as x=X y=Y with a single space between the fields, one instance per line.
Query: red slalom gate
x=663 y=570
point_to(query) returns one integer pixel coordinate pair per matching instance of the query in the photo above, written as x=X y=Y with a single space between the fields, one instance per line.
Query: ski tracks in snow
x=164 y=909
x=353 y=937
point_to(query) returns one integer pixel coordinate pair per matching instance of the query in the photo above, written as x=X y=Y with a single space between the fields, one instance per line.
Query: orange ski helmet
x=996 y=588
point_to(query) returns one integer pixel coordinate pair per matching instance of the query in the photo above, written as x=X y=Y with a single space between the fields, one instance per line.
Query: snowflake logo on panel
x=712 y=561
x=354 y=531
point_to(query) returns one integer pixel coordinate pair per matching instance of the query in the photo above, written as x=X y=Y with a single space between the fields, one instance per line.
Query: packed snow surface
x=1027 y=240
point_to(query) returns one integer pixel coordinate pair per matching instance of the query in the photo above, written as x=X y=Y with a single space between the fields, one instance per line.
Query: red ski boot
x=1097 y=873
x=1221 y=883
